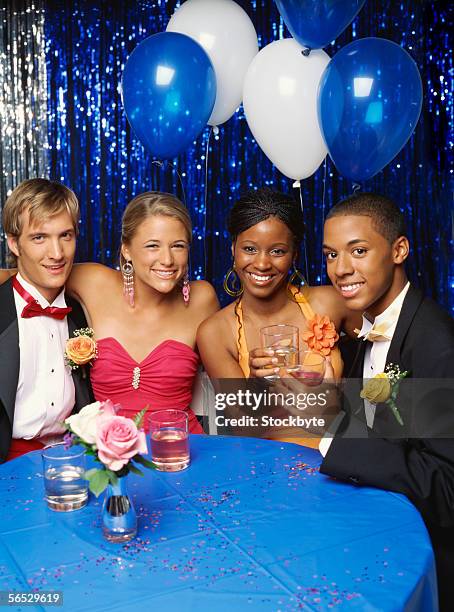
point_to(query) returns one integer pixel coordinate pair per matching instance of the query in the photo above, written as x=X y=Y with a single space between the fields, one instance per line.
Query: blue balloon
x=369 y=103
x=168 y=92
x=315 y=23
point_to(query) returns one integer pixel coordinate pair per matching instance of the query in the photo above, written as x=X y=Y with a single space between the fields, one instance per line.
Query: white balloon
x=280 y=103
x=229 y=38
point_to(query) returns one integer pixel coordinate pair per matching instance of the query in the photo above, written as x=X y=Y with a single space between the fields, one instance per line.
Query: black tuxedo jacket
x=9 y=362
x=421 y=468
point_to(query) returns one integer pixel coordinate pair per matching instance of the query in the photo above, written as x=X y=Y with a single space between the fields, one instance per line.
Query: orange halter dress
x=295 y=435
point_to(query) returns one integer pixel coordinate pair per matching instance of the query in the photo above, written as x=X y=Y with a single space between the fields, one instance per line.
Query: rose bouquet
x=114 y=441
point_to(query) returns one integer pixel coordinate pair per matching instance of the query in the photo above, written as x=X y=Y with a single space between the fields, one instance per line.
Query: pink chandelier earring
x=127 y=270
x=186 y=289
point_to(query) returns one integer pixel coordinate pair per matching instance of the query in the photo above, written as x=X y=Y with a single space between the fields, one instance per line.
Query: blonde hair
x=149 y=204
x=43 y=199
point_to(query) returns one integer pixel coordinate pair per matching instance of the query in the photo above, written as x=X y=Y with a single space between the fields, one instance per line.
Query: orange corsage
x=321 y=335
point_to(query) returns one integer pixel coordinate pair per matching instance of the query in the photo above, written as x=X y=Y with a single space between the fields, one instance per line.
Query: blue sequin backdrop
x=92 y=149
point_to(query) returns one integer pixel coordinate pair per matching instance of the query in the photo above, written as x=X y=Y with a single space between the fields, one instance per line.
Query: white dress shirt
x=374 y=359
x=45 y=392
x=376 y=352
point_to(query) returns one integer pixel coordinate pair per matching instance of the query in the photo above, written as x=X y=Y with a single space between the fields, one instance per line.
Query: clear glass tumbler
x=169 y=440
x=64 y=484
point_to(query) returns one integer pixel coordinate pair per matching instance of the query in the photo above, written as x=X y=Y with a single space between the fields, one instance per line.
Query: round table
x=250 y=525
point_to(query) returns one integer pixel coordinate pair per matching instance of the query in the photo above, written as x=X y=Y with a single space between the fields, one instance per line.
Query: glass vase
x=119 y=519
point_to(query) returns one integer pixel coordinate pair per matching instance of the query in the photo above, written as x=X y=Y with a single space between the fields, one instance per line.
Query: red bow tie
x=34 y=309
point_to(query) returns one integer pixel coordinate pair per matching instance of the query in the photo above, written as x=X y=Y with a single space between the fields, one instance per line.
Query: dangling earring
x=127 y=270
x=234 y=290
x=186 y=289
x=300 y=286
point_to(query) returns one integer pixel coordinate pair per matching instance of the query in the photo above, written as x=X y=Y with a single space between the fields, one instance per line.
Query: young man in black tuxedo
x=365 y=249
x=37 y=389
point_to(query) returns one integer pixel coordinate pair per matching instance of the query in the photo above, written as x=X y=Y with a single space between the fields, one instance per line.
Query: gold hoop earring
x=234 y=290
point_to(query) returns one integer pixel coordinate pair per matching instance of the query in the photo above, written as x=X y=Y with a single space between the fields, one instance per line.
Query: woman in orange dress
x=266 y=228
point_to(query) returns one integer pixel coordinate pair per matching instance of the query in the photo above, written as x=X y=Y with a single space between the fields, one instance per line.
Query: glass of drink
x=169 y=440
x=310 y=368
x=284 y=340
x=64 y=484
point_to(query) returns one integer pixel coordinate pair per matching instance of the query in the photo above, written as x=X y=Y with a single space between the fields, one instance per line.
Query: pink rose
x=118 y=439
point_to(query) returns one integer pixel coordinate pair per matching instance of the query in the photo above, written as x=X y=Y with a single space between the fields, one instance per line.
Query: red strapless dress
x=164 y=379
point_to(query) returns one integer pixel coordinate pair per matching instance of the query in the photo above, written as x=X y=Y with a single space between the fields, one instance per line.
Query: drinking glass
x=64 y=484
x=310 y=368
x=284 y=340
x=169 y=440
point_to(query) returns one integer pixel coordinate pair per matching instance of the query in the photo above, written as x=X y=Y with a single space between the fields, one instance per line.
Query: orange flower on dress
x=321 y=335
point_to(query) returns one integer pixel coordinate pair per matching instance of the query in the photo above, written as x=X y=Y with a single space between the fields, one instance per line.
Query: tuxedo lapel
x=385 y=422
x=356 y=370
x=410 y=306
x=9 y=349
x=10 y=355
x=7 y=306
x=80 y=375
x=71 y=325
x=76 y=373
x=352 y=403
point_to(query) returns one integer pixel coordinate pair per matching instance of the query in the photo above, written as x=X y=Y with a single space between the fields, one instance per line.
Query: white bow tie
x=377 y=333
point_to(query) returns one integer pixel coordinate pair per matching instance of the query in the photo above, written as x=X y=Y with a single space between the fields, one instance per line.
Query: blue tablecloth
x=250 y=525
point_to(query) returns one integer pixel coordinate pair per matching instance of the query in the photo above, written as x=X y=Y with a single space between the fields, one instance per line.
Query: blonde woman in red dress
x=145 y=316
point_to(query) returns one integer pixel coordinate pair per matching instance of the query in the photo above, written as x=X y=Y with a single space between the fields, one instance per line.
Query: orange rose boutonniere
x=81 y=349
x=321 y=335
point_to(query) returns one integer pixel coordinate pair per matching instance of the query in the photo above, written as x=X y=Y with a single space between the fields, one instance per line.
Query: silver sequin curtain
x=23 y=96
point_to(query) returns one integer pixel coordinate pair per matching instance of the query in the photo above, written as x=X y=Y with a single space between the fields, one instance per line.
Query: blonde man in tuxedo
x=37 y=390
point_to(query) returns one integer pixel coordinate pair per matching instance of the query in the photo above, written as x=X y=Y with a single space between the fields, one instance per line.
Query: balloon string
x=297 y=185
x=214 y=129
x=325 y=168
x=161 y=164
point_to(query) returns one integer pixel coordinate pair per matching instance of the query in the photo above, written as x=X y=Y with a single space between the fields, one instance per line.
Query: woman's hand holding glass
x=280 y=346
x=262 y=363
